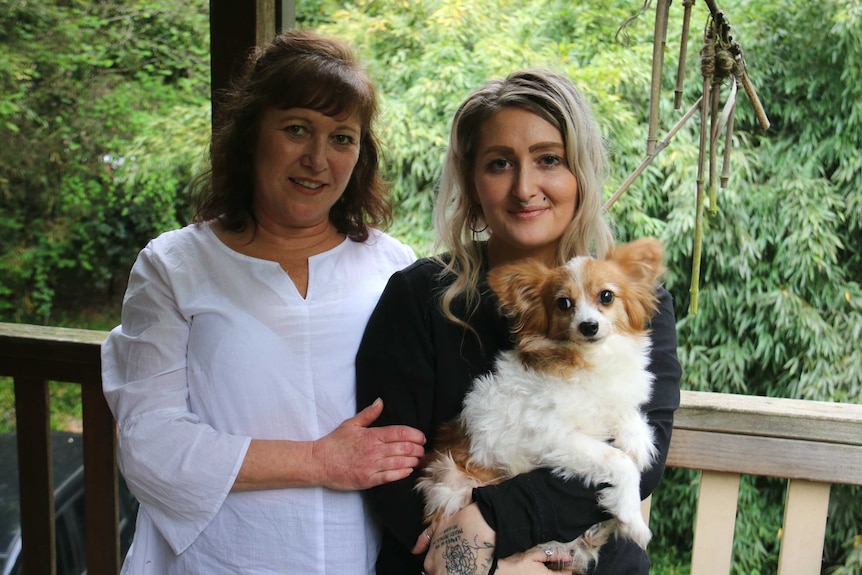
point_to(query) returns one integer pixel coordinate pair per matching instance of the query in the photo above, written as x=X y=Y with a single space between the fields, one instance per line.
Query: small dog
x=568 y=397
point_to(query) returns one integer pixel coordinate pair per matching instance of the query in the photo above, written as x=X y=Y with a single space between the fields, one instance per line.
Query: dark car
x=67 y=451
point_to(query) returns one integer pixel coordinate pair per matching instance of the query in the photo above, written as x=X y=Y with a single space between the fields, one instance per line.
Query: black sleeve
x=538 y=506
x=395 y=363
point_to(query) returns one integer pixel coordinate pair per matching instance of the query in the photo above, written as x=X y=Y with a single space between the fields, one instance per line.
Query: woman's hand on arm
x=352 y=457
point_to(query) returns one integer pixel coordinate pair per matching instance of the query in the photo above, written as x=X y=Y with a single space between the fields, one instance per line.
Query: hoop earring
x=473 y=219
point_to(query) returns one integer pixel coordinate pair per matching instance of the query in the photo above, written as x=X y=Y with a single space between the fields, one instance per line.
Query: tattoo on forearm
x=462 y=556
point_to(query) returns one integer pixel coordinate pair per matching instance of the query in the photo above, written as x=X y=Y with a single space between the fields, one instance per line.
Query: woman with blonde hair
x=522 y=178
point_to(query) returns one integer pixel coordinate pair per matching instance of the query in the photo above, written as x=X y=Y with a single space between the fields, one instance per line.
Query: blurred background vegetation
x=105 y=115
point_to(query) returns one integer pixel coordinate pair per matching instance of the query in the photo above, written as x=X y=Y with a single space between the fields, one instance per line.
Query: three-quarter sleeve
x=180 y=469
x=539 y=506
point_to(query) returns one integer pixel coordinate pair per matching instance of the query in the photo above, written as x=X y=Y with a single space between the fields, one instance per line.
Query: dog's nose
x=589 y=328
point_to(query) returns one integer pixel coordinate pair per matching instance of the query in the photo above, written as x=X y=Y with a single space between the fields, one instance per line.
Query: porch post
x=235 y=28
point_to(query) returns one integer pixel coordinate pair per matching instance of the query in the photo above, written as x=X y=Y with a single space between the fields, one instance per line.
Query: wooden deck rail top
x=812 y=444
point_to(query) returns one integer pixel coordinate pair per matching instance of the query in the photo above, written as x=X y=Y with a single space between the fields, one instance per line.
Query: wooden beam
x=102 y=513
x=771 y=416
x=51 y=353
x=236 y=28
x=771 y=457
x=805 y=512
x=265 y=22
x=232 y=34
x=714 y=526
x=35 y=477
x=286 y=14
x=797 y=439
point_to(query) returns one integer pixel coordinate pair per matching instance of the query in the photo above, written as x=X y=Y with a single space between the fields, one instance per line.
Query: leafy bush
x=84 y=87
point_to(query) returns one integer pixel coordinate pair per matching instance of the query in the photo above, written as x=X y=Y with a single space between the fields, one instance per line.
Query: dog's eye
x=564 y=303
x=606 y=297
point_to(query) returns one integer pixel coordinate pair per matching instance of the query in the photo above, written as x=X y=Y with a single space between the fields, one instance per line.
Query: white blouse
x=216 y=348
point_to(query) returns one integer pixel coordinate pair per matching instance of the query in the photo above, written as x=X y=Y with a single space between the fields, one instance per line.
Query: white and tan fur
x=565 y=398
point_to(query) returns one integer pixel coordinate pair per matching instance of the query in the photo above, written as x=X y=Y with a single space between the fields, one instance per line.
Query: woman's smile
x=527 y=213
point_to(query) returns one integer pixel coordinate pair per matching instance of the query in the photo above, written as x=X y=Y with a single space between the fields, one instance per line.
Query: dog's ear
x=641 y=259
x=518 y=287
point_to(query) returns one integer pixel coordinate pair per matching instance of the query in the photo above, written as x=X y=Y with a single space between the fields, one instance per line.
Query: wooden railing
x=812 y=444
x=32 y=356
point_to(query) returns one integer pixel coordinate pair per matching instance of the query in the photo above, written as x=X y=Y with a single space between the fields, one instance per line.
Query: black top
x=422 y=365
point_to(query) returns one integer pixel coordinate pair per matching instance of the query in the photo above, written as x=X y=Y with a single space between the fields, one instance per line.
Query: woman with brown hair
x=231 y=377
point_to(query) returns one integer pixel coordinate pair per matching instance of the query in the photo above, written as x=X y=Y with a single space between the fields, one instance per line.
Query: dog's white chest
x=516 y=414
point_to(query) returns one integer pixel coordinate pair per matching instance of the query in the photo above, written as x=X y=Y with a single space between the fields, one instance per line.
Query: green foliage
x=672 y=521
x=780 y=291
x=84 y=86
x=7 y=405
x=844 y=543
x=781 y=283
x=65 y=400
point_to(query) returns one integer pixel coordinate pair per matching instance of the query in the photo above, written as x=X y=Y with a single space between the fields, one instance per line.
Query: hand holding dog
x=464 y=543
x=355 y=456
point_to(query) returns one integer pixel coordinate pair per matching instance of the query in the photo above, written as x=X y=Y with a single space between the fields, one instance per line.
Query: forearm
x=536 y=507
x=277 y=464
x=466 y=540
x=350 y=458
x=462 y=539
x=664 y=364
x=662 y=424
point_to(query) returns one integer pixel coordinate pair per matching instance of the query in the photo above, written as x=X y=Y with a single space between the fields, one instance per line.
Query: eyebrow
x=297 y=117
x=533 y=148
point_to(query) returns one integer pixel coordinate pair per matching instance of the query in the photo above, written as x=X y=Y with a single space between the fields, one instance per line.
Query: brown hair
x=298 y=69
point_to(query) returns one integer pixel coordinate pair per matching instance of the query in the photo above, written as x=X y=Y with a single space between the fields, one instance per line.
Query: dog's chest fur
x=516 y=414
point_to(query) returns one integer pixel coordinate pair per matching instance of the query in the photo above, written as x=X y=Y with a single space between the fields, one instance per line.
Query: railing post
x=805 y=511
x=36 y=477
x=100 y=477
x=714 y=525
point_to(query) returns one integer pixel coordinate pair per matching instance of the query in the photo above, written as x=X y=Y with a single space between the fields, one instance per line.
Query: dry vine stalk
x=721 y=59
x=683 y=50
x=662 y=12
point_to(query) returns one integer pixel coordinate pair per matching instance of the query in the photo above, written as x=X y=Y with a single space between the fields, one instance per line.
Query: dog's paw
x=643 y=455
x=636 y=530
x=574 y=558
x=639 y=447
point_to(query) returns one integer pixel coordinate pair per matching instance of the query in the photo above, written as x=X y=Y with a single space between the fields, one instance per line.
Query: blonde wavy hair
x=457 y=213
